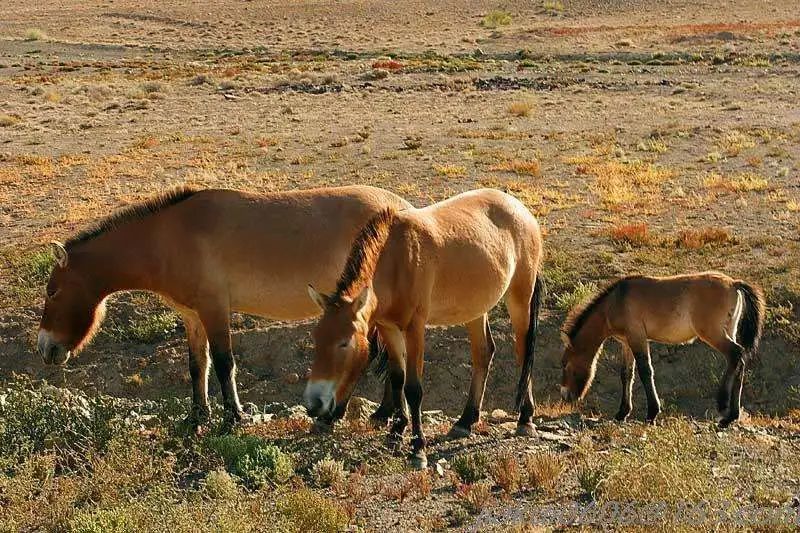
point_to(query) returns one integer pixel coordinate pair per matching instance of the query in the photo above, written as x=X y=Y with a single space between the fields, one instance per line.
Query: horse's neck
x=121 y=263
x=593 y=333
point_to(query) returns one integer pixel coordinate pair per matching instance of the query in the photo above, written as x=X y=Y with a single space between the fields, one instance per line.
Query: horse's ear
x=60 y=253
x=320 y=299
x=362 y=298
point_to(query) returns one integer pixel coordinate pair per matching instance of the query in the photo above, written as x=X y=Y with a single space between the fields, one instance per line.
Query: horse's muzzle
x=319 y=397
x=52 y=353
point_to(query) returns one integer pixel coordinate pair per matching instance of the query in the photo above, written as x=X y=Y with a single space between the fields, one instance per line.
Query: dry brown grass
x=7 y=120
x=474 y=496
x=543 y=470
x=744 y=182
x=624 y=182
x=506 y=472
x=636 y=234
x=450 y=170
x=521 y=108
x=529 y=167
x=693 y=239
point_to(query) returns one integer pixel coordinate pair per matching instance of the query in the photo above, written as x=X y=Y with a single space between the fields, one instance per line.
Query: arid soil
x=648 y=137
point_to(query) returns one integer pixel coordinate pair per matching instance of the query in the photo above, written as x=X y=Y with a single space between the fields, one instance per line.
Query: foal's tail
x=539 y=293
x=751 y=324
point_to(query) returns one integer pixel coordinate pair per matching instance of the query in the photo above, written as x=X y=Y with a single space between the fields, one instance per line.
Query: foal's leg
x=415 y=350
x=626 y=376
x=641 y=354
x=217 y=326
x=198 y=369
x=482 y=345
x=730 y=388
x=396 y=344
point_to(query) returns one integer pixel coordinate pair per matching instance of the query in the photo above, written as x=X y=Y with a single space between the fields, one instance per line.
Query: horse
x=724 y=313
x=448 y=263
x=208 y=253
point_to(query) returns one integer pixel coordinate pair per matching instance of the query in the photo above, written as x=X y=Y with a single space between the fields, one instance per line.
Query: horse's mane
x=579 y=314
x=364 y=255
x=133 y=212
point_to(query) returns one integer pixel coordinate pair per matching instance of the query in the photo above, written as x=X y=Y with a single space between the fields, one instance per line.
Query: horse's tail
x=751 y=323
x=378 y=355
x=539 y=293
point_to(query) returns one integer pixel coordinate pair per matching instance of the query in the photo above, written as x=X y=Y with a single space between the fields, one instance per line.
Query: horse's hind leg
x=396 y=345
x=626 y=376
x=198 y=368
x=730 y=387
x=518 y=303
x=482 y=346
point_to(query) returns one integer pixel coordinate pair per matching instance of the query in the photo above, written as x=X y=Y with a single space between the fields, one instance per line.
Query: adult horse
x=207 y=253
x=449 y=263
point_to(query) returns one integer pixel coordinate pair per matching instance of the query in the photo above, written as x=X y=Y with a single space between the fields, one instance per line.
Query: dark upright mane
x=364 y=254
x=578 y=316
x=133 y=212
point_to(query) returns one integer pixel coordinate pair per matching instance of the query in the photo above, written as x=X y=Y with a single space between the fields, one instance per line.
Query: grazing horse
x=207 y=253
x=724 y=313
x=449 y=263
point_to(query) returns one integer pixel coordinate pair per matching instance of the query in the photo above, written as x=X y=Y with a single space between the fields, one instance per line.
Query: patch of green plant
x=580 y=293
x=495 y=19
x=252 y=459
x=471 y=467
x=30 y=273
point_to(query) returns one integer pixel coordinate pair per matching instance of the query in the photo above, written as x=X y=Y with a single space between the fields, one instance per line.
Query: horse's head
x=578 y=368
x=73 y=309
x=341 y=350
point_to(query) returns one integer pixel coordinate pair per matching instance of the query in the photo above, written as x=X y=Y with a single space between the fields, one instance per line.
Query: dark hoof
x=321 y=427
x=651 y=421
x=378 y=420
x=418 y=460
x=234 y=419
x=725 y=422
x=526 y=430
x=621 y=416
x=459 y=432
x=394 y=441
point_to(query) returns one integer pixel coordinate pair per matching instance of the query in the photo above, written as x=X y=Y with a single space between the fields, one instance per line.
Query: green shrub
x=496 y=19
x=471 y=467
x=252 y=459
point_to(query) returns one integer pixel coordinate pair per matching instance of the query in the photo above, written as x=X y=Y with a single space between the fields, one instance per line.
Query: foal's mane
x=133 y=212
x=579 y=314
x=364 y=254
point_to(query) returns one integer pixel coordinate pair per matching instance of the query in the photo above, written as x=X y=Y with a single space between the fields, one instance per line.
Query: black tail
x=539 y=292
x=378 y=356
x=751 y=324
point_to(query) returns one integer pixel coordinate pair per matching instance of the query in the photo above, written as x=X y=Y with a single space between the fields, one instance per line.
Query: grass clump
x=693 y=239
x=471 y=467
x=451 y=171
x=530 y=167
x=543 y=470
x=632 y=234
x=311 y=512
x=7 y=120
x=220 y=485
x=553 y=7
x=327 y=472
x=505 y=471
x=521 y=108
x=579 y=294
x=474 y=496
x=590 y=479
x=495 y=19
x=34 y=34
x=252 y=459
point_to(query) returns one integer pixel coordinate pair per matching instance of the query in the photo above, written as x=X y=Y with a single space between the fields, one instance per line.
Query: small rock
x=359 y=409
x=295 y=411
x=291 y=378
x=440 y=467
x=499 y=415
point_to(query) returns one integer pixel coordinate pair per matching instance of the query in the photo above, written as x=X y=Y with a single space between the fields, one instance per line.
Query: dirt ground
x=647 y=137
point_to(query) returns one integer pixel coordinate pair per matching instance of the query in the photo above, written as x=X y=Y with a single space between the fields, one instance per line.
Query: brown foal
x=724 y=313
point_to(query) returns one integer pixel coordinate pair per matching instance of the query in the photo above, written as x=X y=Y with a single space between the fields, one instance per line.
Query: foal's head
x=341 y=350
x=73 y=310
x=578 y=368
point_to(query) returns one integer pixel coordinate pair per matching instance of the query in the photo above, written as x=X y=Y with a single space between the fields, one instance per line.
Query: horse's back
x=263 y=249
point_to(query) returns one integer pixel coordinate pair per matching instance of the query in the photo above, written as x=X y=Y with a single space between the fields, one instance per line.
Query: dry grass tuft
x=495 y=19
x=451 y=171
x=474 y=497
x=8 y=120
x=521 y=108
x=553 y=7
x=517 y=166
x=328 y=472
x=633 y=234
x=624 y=182
x=745 y=182
x=506 y=472
x=694 y=239
x=735 y=142
x=35 y=34
x=543 y=470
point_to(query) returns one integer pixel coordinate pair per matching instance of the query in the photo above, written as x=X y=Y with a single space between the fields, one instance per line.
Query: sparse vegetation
x=495 y=19
x=530 y=167
x=543 y=470
x=471 y=467
x=521 y=108
x=328 y=472
x=35 y=34
x=553 y=7
x=580 y=293
x=474 y=496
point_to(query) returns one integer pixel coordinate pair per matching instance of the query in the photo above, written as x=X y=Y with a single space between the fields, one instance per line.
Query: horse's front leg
x=415 y=346
x=217 y=326
x=199 y=362
x=395 y=343
x=641 y=354
x=626 y=377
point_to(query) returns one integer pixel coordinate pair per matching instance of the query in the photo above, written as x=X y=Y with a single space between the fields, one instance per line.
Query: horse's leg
x=217 y=326
x=730 y=387
x=395 y=343
x=626 y=376
x=415 y=350
x=641 y=354
x=518 y=302
x=482 y=346
x=198 y=369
